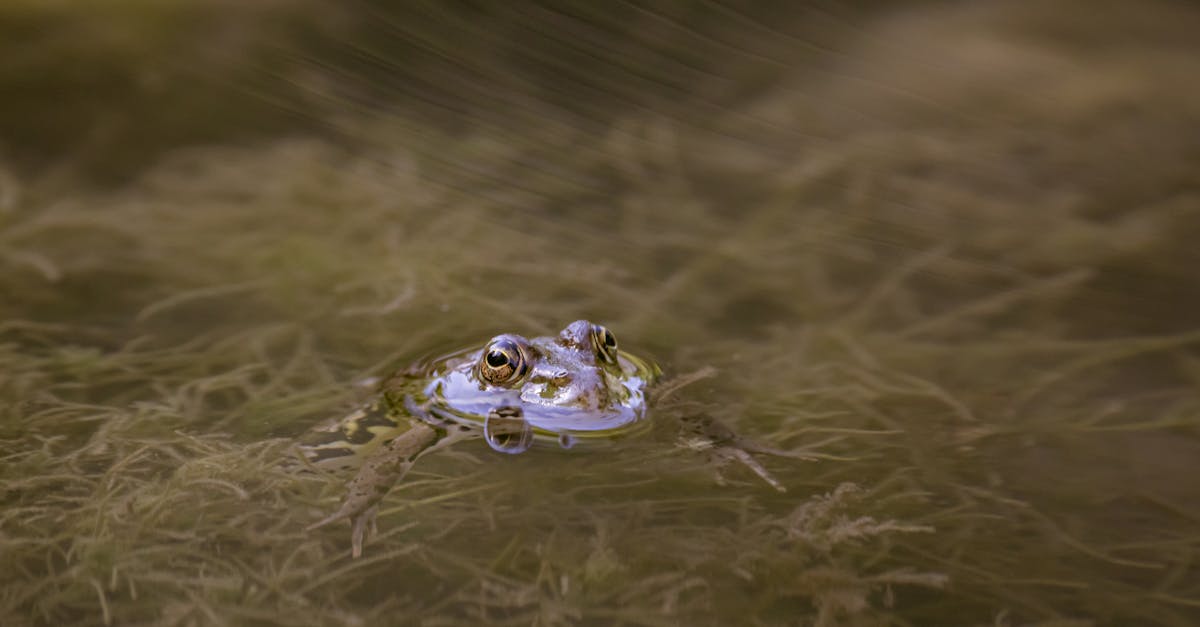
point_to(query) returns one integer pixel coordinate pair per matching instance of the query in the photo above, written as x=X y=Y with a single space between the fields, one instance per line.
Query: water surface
x=947 y=251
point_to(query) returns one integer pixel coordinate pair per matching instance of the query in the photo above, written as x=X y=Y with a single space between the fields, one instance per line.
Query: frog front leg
x=705 y=433
x=381 y=471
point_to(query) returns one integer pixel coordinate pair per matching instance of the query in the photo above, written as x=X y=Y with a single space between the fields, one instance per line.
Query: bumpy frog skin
x=566 y=389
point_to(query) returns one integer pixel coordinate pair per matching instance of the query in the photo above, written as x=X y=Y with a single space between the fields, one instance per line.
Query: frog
x=571 y=389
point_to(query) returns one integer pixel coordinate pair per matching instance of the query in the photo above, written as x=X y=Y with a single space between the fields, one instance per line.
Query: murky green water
x=949 y=251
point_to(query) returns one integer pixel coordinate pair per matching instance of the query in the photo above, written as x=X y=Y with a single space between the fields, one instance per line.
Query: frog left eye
x=605 y=343
x=503 y=362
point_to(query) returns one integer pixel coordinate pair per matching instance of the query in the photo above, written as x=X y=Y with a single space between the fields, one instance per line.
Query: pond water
x=947 y=252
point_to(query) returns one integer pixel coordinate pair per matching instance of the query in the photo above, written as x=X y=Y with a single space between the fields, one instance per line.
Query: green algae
x=967 y=301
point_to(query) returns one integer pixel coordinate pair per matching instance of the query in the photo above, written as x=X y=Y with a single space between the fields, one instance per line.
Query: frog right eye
x=605 y=343
x=503 y=362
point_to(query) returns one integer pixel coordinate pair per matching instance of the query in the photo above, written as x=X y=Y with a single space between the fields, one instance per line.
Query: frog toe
x=362 y=527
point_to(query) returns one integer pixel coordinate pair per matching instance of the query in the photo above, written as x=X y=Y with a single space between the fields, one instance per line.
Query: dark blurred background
x=104 y=88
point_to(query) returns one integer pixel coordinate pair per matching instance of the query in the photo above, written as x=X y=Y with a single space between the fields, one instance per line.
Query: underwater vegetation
x=948 y=252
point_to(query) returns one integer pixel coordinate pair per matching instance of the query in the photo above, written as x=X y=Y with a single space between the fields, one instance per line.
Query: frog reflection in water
x=573 y=387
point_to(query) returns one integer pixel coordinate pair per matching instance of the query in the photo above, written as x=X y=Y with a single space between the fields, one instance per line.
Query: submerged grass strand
x=106 y=616
x=1134 y=347
x=998 y=303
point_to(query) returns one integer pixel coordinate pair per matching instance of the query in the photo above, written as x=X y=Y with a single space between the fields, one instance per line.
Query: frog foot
x=362 y=521
x=362 y=525
x=705 y=433
x=375 y=479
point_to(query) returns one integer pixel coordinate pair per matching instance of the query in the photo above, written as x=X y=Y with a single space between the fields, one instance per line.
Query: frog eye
x=605 y=343
x=503 y=362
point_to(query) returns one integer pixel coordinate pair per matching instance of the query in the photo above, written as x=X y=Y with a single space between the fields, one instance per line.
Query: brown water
x=946 y=250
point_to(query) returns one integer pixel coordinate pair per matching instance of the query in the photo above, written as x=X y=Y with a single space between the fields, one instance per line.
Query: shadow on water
x=947 y=250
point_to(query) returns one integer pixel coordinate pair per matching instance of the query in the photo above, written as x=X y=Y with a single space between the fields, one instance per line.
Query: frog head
x=575 y=381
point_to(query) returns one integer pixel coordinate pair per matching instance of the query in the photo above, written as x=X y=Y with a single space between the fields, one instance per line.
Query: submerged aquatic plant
x=941 y=298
